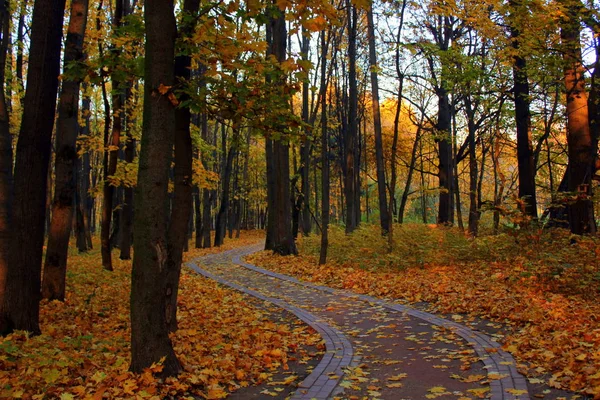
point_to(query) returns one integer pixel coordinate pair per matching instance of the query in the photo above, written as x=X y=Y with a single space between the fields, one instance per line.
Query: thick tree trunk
x=6 y=161
x=182 y=200
x=279 y=238
x=67 y=129
x=384 y=215
x=31 y=169
x=581 y=146
x=525 y=155
x=151 y=293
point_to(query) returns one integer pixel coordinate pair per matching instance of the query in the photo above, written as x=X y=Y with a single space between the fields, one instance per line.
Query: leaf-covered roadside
x=540 y=284
x=223 y=342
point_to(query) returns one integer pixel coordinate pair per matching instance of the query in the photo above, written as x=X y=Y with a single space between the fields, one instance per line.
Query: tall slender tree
x=67 y=129
x=384 y=215
x=6 y=162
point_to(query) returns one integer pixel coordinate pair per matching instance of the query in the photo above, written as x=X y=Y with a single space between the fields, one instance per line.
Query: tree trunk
x=31 y=168
x=324 y=156
x=384 y=215
x=581 y=146
x=220 y=225
x=446 y=167
x=6 y=162
x=411 y=168
x=127 y=208
x=111 y=154
x=350 y=139
x=67 y=129
x=82 y=199
x=182 y=201
x=151 y=290
x=279 y=228
x=525 y=155
x=306 y=146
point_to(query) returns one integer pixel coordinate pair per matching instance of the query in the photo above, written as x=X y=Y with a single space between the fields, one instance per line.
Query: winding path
x=376 y=348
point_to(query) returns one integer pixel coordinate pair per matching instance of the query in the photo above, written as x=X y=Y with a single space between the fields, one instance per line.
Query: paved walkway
x=376 y=349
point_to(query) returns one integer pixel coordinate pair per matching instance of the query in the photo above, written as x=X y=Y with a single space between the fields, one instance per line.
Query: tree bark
x=525 y=154
x=127 y=208
x=384 y=215
x=324 y=156
x=350 y=140
x=111 y=154
x=581 y=146
x=67 y=129
x=306 y=145
x=151 y=292
x=6 y=163
x=31 y=168
x=83 y=202
x=280 y=237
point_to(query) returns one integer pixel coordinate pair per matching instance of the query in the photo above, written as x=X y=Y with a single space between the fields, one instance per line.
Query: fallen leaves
x=546 y=289
x=223 y=341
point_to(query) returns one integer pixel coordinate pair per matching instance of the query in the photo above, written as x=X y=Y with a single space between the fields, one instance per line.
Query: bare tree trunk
x=67 y=129
x=350 y=140
x=23 y=287
x=151 y=289
x=6 y=163
x=525 y=155
x=306 y=146
x=384 y=215
x=82 y=199
x=581 y=146
x=279 y=228
x=127 y=208
x=324 y=155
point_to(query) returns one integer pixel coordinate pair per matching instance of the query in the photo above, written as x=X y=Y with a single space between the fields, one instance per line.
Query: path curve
x=340 y=354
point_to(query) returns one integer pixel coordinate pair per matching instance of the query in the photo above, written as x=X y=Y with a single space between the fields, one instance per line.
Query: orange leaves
x=83 y=352
x=547 y=289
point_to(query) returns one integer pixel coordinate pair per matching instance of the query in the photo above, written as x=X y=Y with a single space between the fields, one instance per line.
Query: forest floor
x=536 y=292
x=539 y=290
x=226 y=340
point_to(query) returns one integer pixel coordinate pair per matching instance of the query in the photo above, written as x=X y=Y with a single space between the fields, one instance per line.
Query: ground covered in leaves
x=544 y=286
x=224 y=342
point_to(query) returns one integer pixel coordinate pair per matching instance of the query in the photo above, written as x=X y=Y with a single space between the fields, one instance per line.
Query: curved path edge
x=323 y=381
x=499 y=363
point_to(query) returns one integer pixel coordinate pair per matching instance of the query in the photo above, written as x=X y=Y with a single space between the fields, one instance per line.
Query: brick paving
x=363 y=330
